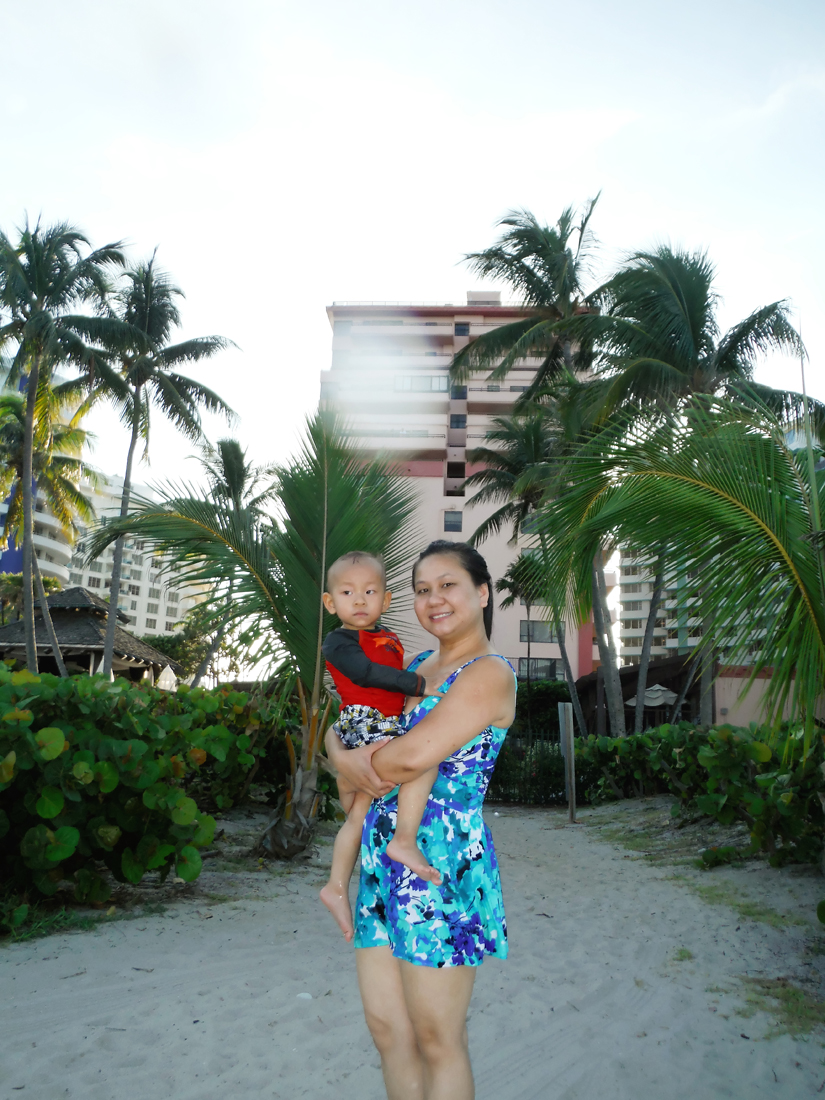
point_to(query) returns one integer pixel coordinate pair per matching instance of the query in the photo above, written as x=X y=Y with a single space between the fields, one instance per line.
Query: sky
x=284 y=155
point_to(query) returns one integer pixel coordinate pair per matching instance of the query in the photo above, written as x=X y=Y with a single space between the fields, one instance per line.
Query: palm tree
x=329 y=501
x=658 y=344
x=237 y=484
x=518 y=451
x=11 y=594
x=57 y=470
x=45 y=279
x=542 y=266
x=149 y=367
x=658 y=341
x=748 y=505
x=518 y=472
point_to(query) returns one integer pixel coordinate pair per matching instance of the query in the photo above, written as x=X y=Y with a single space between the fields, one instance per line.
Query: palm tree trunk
x=647 y=644
x=200 y=671
x=114 y=593
x=28 y=509
x=706 y=689
x=571 y=683
x=47 y=619
x=607 y=653
x=677 y=706
x=529 y=652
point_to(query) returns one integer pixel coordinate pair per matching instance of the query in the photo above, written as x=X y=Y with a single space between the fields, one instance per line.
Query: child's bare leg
x=335 y=895
x=403 y=848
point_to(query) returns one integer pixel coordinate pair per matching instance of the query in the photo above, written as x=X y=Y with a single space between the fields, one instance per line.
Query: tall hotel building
x=389 y=381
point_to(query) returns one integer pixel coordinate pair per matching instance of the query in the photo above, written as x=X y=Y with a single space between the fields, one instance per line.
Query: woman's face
x=447 y=602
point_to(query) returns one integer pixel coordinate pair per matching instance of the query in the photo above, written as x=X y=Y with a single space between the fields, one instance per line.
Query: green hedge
x=729 y=773
x=98 y=773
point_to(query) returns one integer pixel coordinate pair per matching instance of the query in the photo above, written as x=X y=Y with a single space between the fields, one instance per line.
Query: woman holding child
x=428 y=912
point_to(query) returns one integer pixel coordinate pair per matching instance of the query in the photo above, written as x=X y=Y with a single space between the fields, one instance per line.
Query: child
x=365 y=662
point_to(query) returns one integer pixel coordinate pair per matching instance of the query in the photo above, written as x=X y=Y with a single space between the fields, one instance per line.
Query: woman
x=419 y=944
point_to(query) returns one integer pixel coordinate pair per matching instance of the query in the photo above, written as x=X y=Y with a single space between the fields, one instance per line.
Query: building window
x=632 y=605
x=76 y=578
x=458 y=420
x=172 y=611
x=137 y=575
x=631 y=588
x=536 y=630
x=421 y=383
x=343 y=327
x=151 y=624
x=633 y=624
x=452 y=521
x=133 y=606
x=152 y=608
x=170 y=626
x=519 y=389
x=134 y=589
x=455 y=469
x=458 y=393
x=540 y=668
x=172 y=597
x=96 y=566
x=629 y=570
x=493 y=387
x=462 y=328
x=154 y=593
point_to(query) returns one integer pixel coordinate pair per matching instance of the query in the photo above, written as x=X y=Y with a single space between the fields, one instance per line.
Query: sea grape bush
x=729 y=773
x=95 y=772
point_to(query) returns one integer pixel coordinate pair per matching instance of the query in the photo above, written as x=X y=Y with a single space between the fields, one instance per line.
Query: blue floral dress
x=462 y=920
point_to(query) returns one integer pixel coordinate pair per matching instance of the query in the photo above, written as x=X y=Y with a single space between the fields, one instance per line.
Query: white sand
x=203 y=1002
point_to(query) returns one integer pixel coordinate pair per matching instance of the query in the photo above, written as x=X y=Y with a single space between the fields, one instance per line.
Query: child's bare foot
x=410 y=855
x=337 y=901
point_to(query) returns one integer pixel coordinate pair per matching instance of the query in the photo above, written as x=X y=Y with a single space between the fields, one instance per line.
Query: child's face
x=357 y=595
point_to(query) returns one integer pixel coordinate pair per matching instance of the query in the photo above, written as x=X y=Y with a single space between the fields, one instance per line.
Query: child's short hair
x=355 y=557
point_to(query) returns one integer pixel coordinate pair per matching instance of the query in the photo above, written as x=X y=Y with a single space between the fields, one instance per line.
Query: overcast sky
x=282 y=155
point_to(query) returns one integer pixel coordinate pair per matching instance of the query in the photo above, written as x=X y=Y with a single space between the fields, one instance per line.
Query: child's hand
x=431 y=689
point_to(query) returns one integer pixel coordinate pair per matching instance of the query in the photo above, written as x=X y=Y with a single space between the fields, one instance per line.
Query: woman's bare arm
x=355 y=765
x=481 y=696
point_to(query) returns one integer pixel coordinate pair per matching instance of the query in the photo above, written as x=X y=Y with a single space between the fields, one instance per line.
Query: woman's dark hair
x=472 y=563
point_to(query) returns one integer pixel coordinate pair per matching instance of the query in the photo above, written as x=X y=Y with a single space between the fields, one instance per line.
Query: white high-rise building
x=389 y=380
x=151 y=599
x=677 y=630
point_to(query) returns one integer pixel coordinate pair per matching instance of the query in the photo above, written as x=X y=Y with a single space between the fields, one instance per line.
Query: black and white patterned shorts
x=359 y=725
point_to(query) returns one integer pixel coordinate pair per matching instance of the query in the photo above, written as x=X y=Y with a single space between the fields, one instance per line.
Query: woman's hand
x=355 y=765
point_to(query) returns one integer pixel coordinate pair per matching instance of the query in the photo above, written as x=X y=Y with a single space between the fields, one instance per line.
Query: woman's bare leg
x=437 y=1000
x=403 y=848
x=335 y=895
x=382 y=993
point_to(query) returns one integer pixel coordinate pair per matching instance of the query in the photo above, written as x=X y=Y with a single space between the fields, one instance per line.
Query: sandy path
x=204 y=1001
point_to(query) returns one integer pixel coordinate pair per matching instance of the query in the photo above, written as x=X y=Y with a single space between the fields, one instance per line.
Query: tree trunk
x=28 y=510
x=706 y=690
x=571 y=683
x=677 y=706
x=200 y=671
x=47 y=618
x=529 y=651
x=647 y=644
x=114 y=593
x=607 y=653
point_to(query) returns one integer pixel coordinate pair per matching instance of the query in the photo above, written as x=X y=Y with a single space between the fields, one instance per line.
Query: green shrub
x=726 y=772
x=96 y=774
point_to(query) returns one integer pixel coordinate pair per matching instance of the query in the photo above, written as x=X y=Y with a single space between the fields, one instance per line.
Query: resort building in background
x=676 y=632
x=389 y=381
x=150 y=600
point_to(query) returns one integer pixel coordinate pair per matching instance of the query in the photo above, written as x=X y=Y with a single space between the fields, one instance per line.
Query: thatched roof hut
x=79 y=618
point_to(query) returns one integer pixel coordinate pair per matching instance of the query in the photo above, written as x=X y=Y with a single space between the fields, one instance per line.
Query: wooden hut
x=79 y=618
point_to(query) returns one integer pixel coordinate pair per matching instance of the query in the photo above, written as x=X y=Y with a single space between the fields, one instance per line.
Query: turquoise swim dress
x=462 y=920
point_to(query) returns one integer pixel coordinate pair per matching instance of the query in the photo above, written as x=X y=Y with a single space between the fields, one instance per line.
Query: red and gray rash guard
x=366 y=667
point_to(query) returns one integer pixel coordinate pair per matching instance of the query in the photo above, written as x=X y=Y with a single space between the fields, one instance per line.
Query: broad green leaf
x=7 y=767
x=18 y=916
x=184 y=812
x=106 y=775
x=108 y=835
x=51 y=802
x=82 y=772
x=188 y=864
x=132 y=868
x=51 y=742
x=90 y=887
x=63 y=843
x=759 y=751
